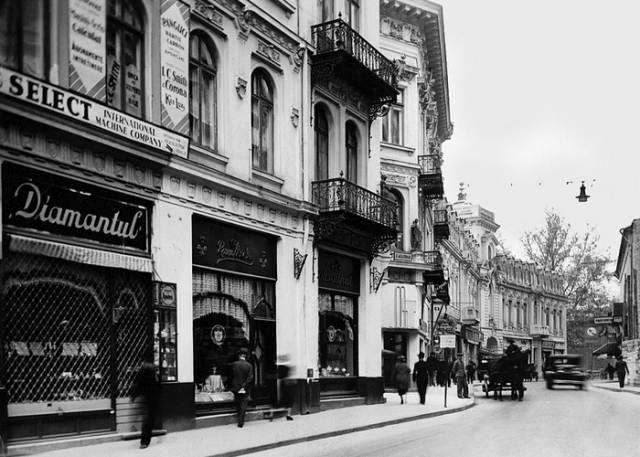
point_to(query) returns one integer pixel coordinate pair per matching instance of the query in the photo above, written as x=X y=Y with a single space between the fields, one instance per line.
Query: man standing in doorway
x=241 y=381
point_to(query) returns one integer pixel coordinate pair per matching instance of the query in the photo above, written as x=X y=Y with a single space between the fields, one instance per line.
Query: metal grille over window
x=60 y=323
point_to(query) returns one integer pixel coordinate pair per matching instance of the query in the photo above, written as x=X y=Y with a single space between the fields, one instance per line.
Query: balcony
x=430 y=176
x=470 y=315
x=434 y=273
x=355 y=217
x=441 y=224
x=343 y=54
x=539 y=330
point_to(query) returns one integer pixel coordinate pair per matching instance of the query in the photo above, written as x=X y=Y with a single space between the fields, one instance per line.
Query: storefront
x=338 y=293
x=234 y=307
x=76 y=293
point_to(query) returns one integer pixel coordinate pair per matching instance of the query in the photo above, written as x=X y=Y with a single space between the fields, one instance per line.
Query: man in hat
x=421 y=377
x=460 y=376
x=240 y=383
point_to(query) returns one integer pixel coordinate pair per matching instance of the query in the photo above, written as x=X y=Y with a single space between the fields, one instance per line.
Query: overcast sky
x=541 y=93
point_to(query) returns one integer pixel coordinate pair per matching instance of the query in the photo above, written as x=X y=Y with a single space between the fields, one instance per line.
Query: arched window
x=351 y=147
x=261 y=122
x=321 y=127
x=23 y=36
x=125 y=73
x=202 y=80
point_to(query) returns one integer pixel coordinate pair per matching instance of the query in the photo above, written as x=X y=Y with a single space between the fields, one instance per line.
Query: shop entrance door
x=266 y=377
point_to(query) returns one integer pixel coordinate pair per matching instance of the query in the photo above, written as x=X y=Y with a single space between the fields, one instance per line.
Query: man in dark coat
x=421 y=377
x=147 y=387
x=402 y=377
x=432 y=366
x=240 y=384
x=622 y=370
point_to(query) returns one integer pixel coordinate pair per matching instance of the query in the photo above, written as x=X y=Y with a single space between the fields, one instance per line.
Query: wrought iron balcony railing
x=430 y=177
x=430 y=164
x=341 y=196
x=341 y=52
x=441 y=223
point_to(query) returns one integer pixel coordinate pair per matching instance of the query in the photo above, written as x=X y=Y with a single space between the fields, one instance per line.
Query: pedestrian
x=401 y=377
x=622 y=369
x=240 y=384
x=443 y=372
x=471 y=372
x=421 y=377
x=432 y=366
x=288 y=386
x=610 y=370
x=146 y=387
x=460 y=376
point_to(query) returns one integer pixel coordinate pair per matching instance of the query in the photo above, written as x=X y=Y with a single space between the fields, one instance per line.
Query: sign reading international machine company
x=88 y=111
x=47 y=203
x=174 y=51
x=87 y=31
x=225 y=247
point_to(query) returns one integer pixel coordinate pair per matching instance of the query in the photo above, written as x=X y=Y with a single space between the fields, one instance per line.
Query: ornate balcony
x=434 y=273
x=470 y=315
x=342 y=53
x=353 y=216
x=430 y=177
x=539 y=330
x=441 y=224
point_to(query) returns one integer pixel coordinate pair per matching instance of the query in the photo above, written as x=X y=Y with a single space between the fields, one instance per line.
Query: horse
x=509 y=370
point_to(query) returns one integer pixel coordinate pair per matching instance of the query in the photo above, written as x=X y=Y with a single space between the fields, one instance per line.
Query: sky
x=543 y=93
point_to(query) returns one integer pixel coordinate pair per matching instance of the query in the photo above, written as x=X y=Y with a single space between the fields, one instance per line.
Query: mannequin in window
x=416 y=236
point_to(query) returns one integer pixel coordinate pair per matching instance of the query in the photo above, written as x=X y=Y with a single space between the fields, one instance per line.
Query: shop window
x=321 y=127
x=262 y=128
x=232 y=312
x=337 y=335
x=23 y=36
x=125 y=36
x=202 y=80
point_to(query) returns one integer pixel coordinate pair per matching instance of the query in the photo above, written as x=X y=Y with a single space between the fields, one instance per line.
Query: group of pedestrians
x=431 y=371
x=621 y=369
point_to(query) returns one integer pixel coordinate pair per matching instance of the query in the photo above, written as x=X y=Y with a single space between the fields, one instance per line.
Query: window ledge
x=208 y=157
x=267 y=181
x=398 y=147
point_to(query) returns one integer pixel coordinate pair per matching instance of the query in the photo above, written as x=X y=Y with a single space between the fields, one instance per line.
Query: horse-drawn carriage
x=506 y=372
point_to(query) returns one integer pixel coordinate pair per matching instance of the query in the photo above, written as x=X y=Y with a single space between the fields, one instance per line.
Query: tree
x=585 y=270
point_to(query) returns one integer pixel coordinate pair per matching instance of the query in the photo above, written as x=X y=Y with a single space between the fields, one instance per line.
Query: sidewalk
x=229 y=440
x=614 y=386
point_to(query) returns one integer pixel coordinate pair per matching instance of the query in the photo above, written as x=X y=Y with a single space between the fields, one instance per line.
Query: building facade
x=186 y=179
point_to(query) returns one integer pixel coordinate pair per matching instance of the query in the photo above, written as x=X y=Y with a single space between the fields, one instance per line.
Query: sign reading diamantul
x=86 y=110
x=174 y=50
x=447 y=341
x=87 y=28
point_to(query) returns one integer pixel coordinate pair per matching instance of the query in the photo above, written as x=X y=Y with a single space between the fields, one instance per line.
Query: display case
x=165 y=341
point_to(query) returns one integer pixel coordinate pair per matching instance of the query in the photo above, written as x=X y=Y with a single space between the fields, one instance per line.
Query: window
x=321 y=128
x=351 y=13
x=396 y=197
x=392 y=123
x=337 y=335
x=124 y=57
x=202 y=80
x=351 y=147
x=23 y=34
x=262 y=122
x=325 y=12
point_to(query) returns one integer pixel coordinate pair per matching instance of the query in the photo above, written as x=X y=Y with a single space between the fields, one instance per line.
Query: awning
x=79 y=254
x=608 y=349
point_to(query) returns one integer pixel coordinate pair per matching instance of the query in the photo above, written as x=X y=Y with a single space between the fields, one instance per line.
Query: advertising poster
x=87 y=29
x=174 y=49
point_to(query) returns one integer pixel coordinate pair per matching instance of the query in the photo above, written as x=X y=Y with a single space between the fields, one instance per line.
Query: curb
x=616 y=389
x=264 y=447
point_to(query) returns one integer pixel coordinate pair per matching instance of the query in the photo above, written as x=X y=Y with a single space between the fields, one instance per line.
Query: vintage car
x=565 y=369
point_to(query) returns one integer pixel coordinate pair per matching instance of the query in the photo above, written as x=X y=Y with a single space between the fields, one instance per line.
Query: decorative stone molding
x=241 y=87
x=295 y=117
x=269 y=51
x=208 y=12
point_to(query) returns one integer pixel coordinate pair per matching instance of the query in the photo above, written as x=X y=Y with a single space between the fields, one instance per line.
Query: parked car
x=565 y=369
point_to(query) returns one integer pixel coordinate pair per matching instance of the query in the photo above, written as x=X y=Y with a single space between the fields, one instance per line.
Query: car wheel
x=549 y=385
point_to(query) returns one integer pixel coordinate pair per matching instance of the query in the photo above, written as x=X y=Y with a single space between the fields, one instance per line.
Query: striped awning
x=79 y=254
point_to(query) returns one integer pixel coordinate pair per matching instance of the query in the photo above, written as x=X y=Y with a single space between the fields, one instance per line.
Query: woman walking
x=402 y=377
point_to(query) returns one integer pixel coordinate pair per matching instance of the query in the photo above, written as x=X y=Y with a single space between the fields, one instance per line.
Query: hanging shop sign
x=45 y=203
x=548 y=345
x=338 y=272
x=174 y=52
x=229 y=248
x=88 y=111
